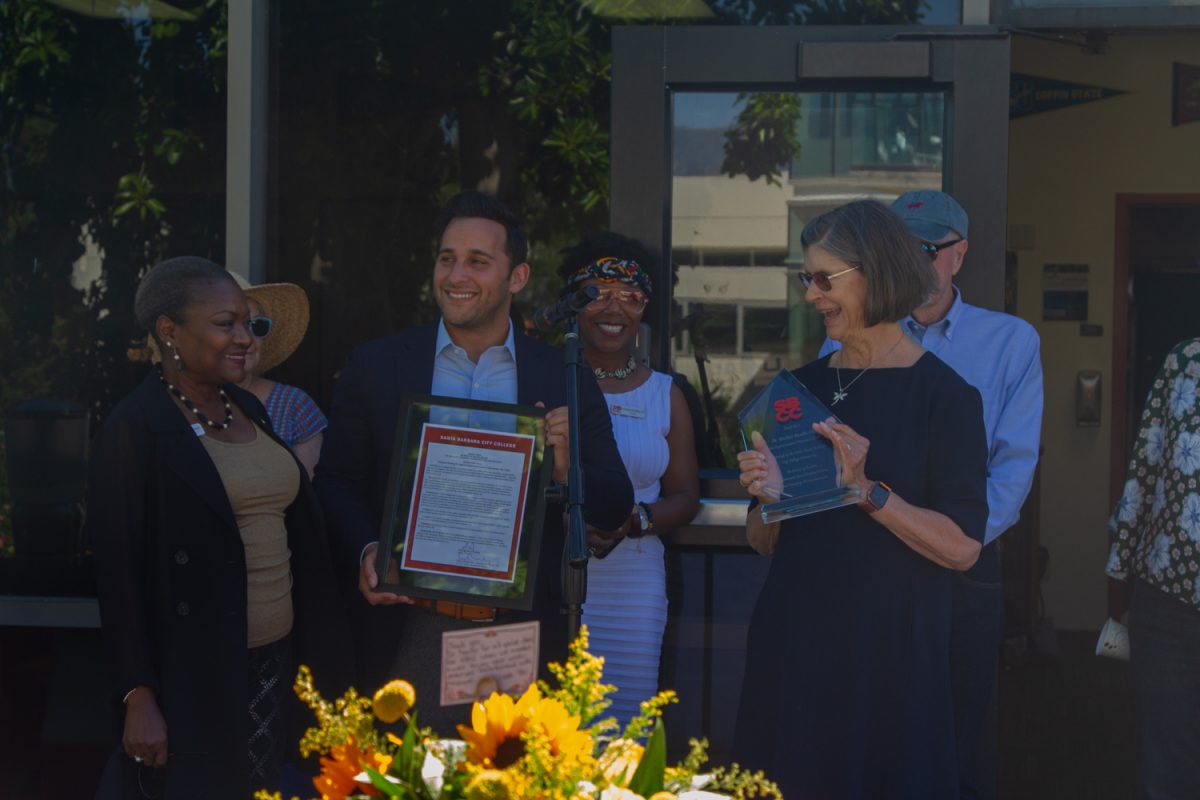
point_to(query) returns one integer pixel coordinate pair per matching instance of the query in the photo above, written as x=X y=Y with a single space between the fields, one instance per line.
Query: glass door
x=725 y=141
x=735 y=238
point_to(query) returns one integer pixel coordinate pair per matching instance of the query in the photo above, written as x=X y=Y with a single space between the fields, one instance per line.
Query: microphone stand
x=575 y=552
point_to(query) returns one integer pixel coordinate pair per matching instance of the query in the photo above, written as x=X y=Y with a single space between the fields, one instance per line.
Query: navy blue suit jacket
x=351 y=478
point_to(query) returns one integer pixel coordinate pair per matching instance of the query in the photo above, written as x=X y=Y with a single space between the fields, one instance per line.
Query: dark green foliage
x=113 y=130
x=763 y=140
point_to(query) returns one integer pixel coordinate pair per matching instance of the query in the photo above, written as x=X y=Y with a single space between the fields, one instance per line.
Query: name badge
x=627 y=411
x=198 y=429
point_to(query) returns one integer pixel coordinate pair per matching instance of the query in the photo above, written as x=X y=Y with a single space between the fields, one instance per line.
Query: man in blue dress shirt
x=998 y=354
x=471 y=351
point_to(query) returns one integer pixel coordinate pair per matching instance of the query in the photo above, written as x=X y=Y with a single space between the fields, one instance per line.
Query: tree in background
x=114 y=135
x=112 y=143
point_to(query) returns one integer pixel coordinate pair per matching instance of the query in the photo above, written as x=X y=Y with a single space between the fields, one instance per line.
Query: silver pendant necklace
x=620 y=373
x=840 y=394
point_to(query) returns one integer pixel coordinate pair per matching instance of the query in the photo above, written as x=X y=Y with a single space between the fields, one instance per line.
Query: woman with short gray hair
x=847 y=685
x=212 y=568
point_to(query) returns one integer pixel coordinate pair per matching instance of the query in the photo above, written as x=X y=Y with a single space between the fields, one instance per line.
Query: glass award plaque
x=465 y=502
x=805 y=472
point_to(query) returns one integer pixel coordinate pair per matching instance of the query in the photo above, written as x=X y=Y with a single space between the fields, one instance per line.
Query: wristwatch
x=877 y=496
x=645 y=519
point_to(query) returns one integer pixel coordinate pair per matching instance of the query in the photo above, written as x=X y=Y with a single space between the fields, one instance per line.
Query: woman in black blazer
x=213 y=570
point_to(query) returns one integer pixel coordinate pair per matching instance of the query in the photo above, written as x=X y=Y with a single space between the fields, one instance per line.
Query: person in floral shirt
x=1156 y=550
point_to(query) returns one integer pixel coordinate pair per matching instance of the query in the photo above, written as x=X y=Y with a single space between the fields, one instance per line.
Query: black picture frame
x=418 y=411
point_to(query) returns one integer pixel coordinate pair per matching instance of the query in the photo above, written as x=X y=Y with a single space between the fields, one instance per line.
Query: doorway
x=1156 y=292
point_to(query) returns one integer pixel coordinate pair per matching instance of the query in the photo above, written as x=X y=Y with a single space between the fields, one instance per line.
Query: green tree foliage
x=113 y=135
x=764 y=138
x=820 y=12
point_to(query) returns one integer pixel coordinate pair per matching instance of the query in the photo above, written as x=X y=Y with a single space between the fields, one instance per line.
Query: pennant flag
x=1029 y=94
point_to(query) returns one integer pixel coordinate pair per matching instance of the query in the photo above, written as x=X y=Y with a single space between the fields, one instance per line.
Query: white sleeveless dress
x=626 y=608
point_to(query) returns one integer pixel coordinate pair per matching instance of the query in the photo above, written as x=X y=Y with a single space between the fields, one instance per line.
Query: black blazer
x=171 y=574
x=356 y=454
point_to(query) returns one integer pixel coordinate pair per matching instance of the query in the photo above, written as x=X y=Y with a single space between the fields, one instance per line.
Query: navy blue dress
x=847 y=685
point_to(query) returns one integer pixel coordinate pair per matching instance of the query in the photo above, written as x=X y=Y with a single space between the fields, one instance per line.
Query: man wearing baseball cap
x=998 y=354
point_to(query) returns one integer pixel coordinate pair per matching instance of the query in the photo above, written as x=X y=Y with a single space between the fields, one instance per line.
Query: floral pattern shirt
x=1156 y=526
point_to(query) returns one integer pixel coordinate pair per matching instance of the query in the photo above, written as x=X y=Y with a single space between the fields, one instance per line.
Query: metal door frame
x=971 y=63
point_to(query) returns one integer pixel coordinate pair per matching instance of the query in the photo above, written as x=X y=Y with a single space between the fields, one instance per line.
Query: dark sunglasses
x=932 y=250
x=823 y=280
x=259 y=326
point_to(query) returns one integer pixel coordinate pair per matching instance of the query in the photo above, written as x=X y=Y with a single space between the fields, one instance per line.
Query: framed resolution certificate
x=465 y=502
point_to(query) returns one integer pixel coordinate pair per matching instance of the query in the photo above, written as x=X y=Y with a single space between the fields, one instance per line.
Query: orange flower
x=336 y=781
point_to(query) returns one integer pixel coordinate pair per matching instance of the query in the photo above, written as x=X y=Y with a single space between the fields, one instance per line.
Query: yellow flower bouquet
x=547 y=744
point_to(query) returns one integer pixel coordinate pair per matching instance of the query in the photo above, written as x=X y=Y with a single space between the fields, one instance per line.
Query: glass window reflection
x=749 y=171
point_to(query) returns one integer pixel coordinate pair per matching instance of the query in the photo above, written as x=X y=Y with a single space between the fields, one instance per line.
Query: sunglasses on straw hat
x=259 y=326
x=284 y=316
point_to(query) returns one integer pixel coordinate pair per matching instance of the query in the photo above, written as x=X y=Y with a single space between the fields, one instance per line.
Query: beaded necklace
x=620 y=373
x=200 y=415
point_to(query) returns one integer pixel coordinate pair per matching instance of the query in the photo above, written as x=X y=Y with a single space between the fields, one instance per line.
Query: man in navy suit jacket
x=471 y=351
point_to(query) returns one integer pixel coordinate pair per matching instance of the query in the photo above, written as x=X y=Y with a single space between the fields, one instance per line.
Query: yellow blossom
x=561 y=729
x=489 y=784
x=620 y=761
x=393 y=701
x=662 y=796
x=619 y=793
x=494 y=737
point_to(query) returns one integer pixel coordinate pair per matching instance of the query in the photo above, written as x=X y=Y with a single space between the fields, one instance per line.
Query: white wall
x=730 y=213
x=1065 y=169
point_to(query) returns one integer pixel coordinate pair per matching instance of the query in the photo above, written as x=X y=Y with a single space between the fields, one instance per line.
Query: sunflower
x=494 y=738
x=561 y=729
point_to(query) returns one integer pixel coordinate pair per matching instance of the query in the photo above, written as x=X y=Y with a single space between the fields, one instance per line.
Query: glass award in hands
x=804 y=471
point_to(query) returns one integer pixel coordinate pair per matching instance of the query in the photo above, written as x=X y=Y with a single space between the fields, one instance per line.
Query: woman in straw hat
x=278 y=320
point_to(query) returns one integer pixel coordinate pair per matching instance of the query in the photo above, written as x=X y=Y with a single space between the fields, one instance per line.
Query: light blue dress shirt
x=493 y=379
x=999 y=355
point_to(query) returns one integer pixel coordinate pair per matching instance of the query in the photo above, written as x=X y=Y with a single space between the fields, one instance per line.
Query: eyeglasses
x=932 y=250
x=821 y=279
x=259 y=326
x=628 y=299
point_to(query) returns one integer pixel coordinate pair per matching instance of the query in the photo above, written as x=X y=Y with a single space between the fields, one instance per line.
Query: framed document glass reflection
x=808 y=477
x=465 y=501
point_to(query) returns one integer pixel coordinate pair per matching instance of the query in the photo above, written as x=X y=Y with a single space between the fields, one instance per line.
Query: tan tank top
x=261 y=479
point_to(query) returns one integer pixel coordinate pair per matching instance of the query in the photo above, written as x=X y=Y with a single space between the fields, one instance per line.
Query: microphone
x=689 y=322
x=547 y=318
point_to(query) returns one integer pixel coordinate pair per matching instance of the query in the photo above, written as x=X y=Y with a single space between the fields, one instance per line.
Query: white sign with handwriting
x=479 y=661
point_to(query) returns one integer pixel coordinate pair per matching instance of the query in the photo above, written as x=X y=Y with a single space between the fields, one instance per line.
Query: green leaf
x=648 y=778
x=381 y=783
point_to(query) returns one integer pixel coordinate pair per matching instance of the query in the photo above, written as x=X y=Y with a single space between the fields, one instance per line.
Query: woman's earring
x=175 y=355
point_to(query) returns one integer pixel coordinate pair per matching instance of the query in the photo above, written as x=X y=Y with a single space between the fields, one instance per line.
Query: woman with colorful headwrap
x=626 y=608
